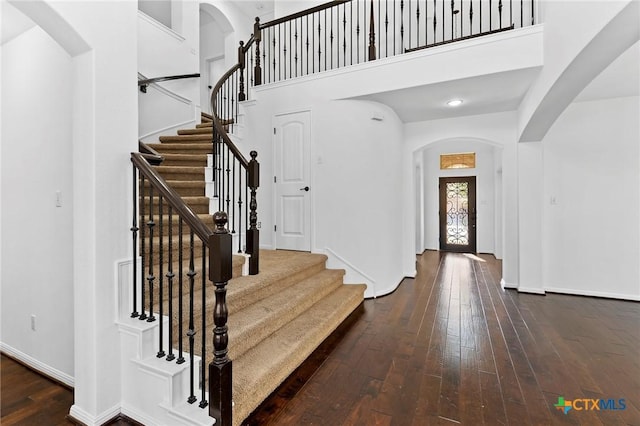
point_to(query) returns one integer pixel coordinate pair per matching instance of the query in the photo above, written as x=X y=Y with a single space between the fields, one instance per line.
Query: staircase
x=276 y=318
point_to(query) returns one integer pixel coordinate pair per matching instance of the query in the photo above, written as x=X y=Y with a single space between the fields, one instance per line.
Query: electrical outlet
x=33 y=322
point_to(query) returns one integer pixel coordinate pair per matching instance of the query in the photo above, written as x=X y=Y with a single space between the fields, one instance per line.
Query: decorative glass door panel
x=458 y=214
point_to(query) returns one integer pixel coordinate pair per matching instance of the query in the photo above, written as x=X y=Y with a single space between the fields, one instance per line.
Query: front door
x=458 y=214
x=291 y=180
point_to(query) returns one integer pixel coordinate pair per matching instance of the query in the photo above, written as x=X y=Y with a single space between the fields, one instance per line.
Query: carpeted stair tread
x=279 y=269
x=196 y=131
x=205 y=117
x=198 y=138
x=199 y=204
x=260 y=370
x=182 y=148
x=189 y=160
x=204 y=124
x=253 y=324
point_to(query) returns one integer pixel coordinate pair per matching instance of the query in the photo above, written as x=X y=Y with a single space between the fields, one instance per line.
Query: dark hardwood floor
x=447 y=347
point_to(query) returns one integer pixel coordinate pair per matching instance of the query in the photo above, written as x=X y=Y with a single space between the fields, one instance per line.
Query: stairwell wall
x=37 y=235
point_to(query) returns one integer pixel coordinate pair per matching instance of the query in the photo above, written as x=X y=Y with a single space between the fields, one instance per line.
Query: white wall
x=485 y=172
x=163 y=51
x=37 y=236
x=591 y=210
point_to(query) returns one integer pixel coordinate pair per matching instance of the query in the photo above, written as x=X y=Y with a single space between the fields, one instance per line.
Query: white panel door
x=292 y=190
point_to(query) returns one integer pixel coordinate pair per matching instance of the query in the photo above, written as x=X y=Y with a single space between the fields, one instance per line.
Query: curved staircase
x=277 y=318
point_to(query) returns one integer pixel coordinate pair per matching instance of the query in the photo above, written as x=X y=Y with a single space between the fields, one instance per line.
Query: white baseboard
x=506 y=285
x=152 y=137
x=353 y=274
x=136 y=415
x=531 y=290
x=37 y=365
x=79 y=414
x=577 y=292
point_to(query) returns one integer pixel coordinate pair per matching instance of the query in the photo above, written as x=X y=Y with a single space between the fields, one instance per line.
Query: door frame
x=274 y=192
x=472 y=211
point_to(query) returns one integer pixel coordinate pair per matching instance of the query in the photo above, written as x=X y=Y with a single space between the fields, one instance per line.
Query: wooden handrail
x=219 y=126
x=151 y=155
x=172 y=197
x=303 y=13
x=142 y=84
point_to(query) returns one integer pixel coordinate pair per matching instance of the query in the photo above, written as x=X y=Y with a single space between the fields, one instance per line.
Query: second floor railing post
x=372 y=35
x=220 y=370
x=241 y=60
x=253 y=233
x=257 y=35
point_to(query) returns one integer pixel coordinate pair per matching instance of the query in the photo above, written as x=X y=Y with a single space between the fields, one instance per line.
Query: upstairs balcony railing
x=348 y=32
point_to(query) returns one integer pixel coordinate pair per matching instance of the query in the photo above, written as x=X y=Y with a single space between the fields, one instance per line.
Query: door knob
x=306 y=188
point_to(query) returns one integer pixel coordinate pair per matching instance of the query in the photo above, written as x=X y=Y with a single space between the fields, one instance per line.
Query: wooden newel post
x=372 y=35
x=220 y=372
x=257 y=71
x=241 y=60
x=253 y=233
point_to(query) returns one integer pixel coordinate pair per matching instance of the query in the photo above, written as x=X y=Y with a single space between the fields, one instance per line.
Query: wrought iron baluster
x=240 y=212
x=192 y=332
x=307 y=42
x=295 y=38
x=331 y=37
x=409 y=22
x=143 y=251
x=372 y=35
x=170 y=276
x=435 y=20
x=386 y=28
x=344 y=34
x=180 y=293
x=379 y=29
x=233 y=197
x=532 y=13
x=490 y=13
x=401 y=26
x=161 y=352
x=358 y=31
x=228 y=170
x=418 y=23
x=203 y=366
x=452 y=18
x=150 y=277
x=471 y=18
x=500 y=12
x=134 y=234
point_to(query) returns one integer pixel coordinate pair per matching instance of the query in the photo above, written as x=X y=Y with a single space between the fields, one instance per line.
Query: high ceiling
x=503 y=91
x=13 y=22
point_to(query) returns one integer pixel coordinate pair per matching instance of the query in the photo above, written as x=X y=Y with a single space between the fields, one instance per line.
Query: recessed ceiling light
x=454 y=102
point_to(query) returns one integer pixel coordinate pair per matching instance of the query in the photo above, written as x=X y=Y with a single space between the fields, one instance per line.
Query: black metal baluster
x=532 y=13
x=240 y=212
x=401 y=26
x=274 y=52
x=325 y=39
x=471 y=18
x=409 y=23
x=372 y=35
x=180 y=293
x=203 y=364
x=395 y=19
x=435 y=20
x=344 y=34
x=452 y=18
x=417 y=23
x=313 y=43
x=290 y=52
x=319 y=44
x=150 y=278
x=386 y=28
x=351 y=32
x=192 y=332
x=143 y=251
x=295 y=39
x=134 y=232
x=161 y=352
x=480 y=20
x=500 y=12
x=331 y=37
x=461 y=17
x=443 y=21
x=170 y=276
x=247 y=199
x=426 y=22
x=358 y=31
x=233 y=197
x=307 y=42
x=228 y=170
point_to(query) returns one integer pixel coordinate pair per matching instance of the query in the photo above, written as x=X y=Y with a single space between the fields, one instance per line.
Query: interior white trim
x=604 y=294
x=161 y=26
x=37 y=365
x=370 y=282
x=505 y=284
x=79 y=414
x=531 y=290
x=167 y=129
